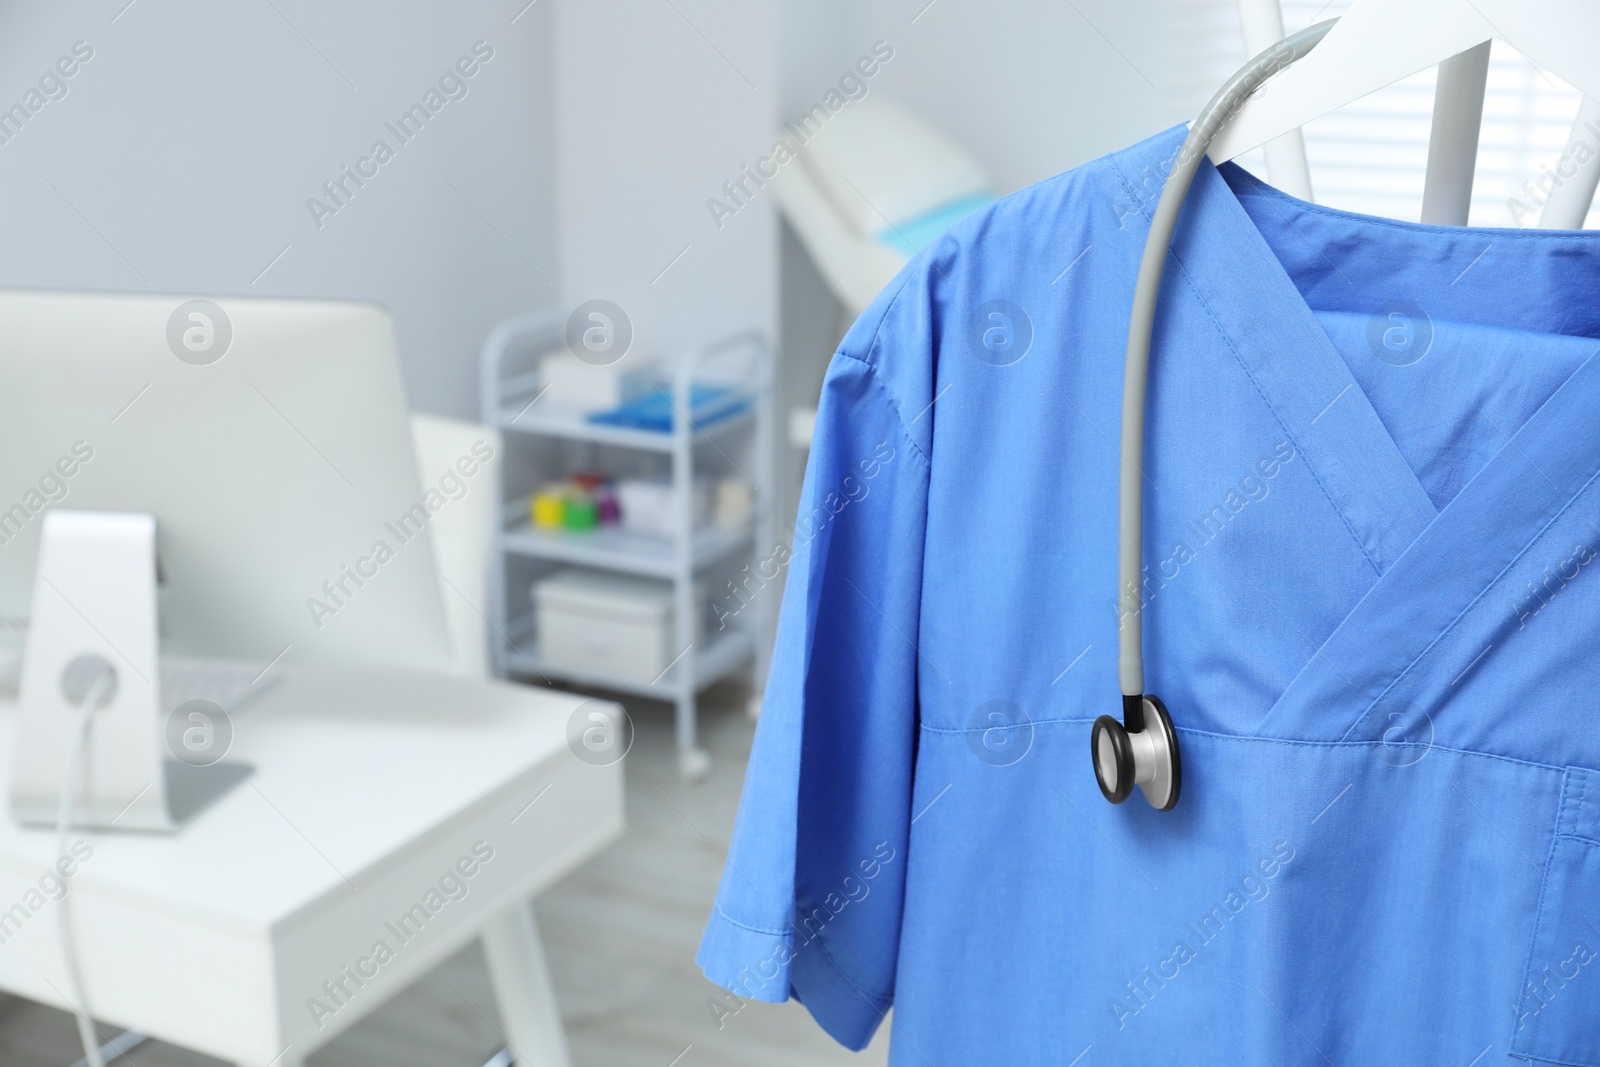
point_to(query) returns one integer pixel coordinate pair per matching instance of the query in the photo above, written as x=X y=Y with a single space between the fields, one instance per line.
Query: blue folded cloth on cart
x=654 y=410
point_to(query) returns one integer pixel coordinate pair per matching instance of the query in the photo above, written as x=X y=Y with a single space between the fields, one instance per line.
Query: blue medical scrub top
x=1371 y=577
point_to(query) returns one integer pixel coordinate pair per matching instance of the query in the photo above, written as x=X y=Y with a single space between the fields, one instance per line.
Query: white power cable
x=69 y=791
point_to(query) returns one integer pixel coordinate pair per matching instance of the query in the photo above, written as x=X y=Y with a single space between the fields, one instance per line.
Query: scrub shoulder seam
x=894 y=405
x=900 y=283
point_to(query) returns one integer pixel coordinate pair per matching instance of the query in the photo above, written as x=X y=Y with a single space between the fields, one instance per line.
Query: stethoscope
x=1142 y=749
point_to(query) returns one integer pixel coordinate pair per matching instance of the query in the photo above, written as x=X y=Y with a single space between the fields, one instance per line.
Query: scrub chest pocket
x=1558 y=1007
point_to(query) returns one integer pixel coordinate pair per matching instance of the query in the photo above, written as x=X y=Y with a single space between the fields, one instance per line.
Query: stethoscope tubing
x=1141 y=325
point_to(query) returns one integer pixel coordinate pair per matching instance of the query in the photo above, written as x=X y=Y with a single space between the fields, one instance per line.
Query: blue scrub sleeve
x=811 y=898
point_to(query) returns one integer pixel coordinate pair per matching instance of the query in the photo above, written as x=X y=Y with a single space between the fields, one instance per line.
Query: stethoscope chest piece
x=1142 y=751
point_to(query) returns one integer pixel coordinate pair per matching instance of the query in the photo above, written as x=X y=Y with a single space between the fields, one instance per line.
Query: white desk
x=368 y=787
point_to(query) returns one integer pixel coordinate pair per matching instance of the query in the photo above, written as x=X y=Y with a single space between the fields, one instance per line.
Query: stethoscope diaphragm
x=1143 y=754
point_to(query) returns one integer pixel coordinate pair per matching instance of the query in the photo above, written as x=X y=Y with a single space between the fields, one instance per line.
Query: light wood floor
x=620 y=934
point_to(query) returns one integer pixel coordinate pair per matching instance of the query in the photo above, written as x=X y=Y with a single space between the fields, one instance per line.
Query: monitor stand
x=94 y=604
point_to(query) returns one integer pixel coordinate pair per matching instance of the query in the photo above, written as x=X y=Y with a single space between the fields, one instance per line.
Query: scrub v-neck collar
x=1273 y=333
x=1430 y=566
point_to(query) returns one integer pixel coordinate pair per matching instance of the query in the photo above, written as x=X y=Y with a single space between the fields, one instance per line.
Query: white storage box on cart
x=594 y=622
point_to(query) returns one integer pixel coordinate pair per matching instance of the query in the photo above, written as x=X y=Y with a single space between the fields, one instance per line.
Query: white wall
x=1031 y=87
x=657 y=105
x=184 y=153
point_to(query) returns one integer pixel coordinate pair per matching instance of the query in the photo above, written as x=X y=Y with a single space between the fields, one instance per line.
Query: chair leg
x=694 y=762
x=288 y=1058
x=523 y=990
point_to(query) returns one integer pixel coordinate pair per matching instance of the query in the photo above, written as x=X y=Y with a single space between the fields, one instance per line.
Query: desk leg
x=523 y=989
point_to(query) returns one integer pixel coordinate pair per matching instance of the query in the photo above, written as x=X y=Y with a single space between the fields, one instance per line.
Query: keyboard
x=228 y=683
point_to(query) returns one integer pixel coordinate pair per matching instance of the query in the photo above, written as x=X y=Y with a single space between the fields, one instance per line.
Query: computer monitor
x=270 y=440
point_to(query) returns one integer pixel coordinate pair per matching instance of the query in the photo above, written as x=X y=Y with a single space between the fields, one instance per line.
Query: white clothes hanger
x=1568 y=202
x=1453 y=140
x=1262 y=23
x=1452 y=147
x=1379 y=42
